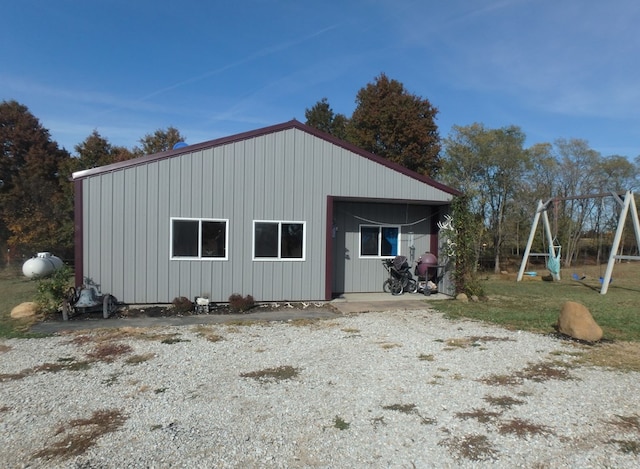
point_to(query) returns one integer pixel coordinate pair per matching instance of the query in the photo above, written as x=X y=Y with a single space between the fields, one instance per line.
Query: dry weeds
x=80 y=434
x=473 y=341
x=523 y=428
x=120 y=333
x=627 y=424
x=273 y=374
x=70 y=365
x=481 y=415
x=505 y=402
x=108 y=352
x=5 y=348
x=473 y=447
x=621 y=356
x=627 y=446
x=208 y=332
x=173 y=340
x=410 y=409
x=67 y=365
x=388 y=346
x=537 y=372
x=140 y=358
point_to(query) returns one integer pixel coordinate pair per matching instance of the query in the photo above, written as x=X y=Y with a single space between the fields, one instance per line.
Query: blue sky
x=556 y=68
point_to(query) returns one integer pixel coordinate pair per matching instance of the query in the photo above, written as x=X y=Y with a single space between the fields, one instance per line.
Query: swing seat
x=577 y=278
x=553 y=263
x=601 y=279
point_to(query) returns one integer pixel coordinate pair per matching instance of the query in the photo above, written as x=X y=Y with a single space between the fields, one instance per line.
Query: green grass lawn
x=534 y=305
x=14 y=289
x=531 y=305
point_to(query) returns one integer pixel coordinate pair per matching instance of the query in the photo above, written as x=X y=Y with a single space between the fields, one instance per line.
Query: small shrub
x=182 y=304
x=52 y=290
x=238 y=304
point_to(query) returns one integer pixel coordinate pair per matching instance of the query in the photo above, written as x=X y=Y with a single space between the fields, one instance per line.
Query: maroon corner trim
x=78 y=233
x=328 y=274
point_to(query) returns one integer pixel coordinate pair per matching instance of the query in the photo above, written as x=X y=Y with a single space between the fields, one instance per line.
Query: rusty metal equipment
x=88 y=299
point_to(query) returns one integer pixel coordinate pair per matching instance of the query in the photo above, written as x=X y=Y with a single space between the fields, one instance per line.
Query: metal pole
x=532 y=233
x=616 y=243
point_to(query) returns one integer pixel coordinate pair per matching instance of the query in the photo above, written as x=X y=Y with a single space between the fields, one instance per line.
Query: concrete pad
x=365 y=302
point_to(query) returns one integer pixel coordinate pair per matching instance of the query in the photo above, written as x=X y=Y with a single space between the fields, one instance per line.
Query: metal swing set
x=627 y=204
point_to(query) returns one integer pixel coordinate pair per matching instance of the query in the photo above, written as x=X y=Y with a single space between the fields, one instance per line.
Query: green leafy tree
x=159 y=141
x=488 y=165
x=32 y=210
x=322 y=117
x=578 y=174
x=397 y=125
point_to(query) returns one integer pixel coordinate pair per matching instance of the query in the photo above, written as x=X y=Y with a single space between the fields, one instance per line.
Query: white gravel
x=403 y=390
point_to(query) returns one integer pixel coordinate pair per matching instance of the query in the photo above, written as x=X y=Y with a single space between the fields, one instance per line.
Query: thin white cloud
x=251 y=57
x=576 y=58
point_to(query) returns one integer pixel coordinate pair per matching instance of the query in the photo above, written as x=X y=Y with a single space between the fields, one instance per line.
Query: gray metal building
x=281 y=213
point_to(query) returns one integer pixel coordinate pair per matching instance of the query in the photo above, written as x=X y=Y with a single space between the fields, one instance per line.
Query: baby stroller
x=427 y=272
x=400 y=278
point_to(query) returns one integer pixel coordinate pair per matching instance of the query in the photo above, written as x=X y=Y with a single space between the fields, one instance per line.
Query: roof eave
x=260 y=132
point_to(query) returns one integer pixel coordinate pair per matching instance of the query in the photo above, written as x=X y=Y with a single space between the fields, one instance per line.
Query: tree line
x=36 y=193
x=501 y=179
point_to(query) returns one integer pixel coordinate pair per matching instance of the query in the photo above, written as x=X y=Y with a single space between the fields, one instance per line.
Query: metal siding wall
x=92 y=218
x=141 y=235
x=130 y=214
x=282 y=176
x=151 y=243
x=117 y=227
x=164 y=196
x=354 y=274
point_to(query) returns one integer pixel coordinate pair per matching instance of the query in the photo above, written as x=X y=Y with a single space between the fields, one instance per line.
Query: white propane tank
x=42 y=265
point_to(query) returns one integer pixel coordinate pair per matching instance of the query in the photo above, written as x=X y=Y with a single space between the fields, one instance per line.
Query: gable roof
x=292 y=124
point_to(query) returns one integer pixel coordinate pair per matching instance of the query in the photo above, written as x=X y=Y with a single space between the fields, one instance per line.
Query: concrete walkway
x=346 y=304
x=364 y=302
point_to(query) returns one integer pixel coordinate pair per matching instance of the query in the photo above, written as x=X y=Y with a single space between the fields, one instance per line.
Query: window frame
x=379 y=251
x=200 y=257
x=279 y=257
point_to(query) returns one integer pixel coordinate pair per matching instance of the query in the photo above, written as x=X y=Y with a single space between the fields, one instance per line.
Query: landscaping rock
x=25 y=310
x=462 y=297
x=576 y=321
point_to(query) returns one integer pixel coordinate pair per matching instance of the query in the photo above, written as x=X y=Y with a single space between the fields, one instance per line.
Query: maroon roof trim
x=292 y=124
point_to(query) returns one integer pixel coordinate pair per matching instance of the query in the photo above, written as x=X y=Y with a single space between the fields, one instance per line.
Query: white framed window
x=379 y=241
x=199 y=238
x=279 y=240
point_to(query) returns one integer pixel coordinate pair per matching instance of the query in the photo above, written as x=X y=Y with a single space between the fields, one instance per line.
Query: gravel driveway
x=388 y=389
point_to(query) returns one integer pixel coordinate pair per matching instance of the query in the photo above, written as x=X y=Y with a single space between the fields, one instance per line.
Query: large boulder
x=576 y=321
x=25 y=310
